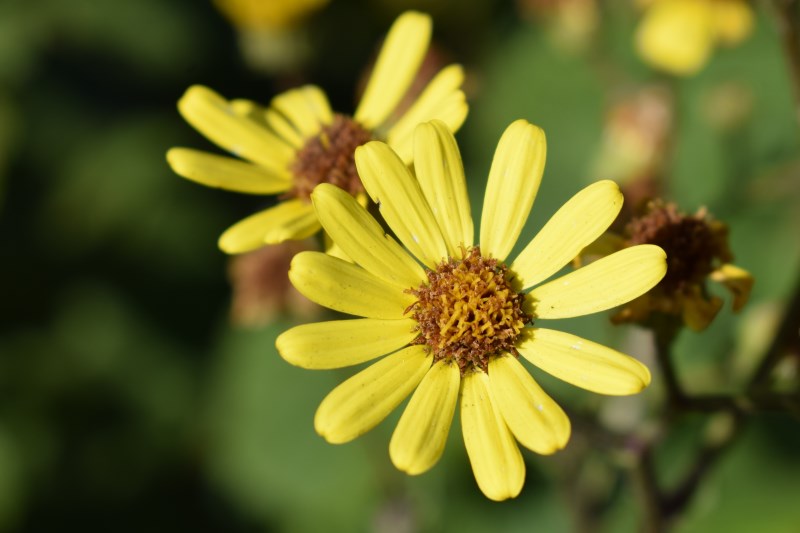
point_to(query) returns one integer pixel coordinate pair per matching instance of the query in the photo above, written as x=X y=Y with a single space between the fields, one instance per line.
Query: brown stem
x=787 y=338
x=665 y=332
x=644 y=478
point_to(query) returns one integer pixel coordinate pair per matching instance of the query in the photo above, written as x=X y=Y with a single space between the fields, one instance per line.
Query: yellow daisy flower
x=299 y=141
x=452 y=314
x=678 y=36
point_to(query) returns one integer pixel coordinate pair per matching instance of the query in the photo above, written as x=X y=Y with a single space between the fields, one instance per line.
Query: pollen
x=329 y=157
x=468 y=311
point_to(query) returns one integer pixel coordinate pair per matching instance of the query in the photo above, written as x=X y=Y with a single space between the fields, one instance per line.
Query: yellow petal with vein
x=440 y=173
x=395 y=68
x=493 y=452
x=283 y=128
x=606 y=283
x=514 y=179
x=226 y=173
x=343 y=286
x=533 y=417
x=442 y=99
x=419 y=439
x=340 y=343
x=583 y=363
x=364 y=400
x=390 y=185
x=290 y=220
x=578 y=223
x=215 y=118
x=363 y=239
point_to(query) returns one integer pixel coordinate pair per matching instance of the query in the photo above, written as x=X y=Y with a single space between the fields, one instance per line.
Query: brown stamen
x=329 y=158
x=468 y=312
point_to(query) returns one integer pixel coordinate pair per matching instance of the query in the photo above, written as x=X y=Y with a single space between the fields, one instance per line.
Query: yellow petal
x=442 y=99
x=440 y=173
x=605 y=244
x=419 y=439
x=283 y=128
x=676 y=35
x=577 y=224
x=697 y=310
x=391 y=185
x=492 y=450
x=364 y=400
x=247 y=108
x=363 y=239
x=343 y=286
x=214 y=117
x=606 y=283
x=340 y=343
x=396 y=67
x=226 y=173
x=290 y=220
x=583 y=363
x=533 y=417
x=514 y=179
x=737 y=280
x=306 y=108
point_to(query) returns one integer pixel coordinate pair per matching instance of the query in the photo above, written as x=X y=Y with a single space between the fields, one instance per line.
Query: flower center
x=692 y=243
x=329 y=158
x=468 y=312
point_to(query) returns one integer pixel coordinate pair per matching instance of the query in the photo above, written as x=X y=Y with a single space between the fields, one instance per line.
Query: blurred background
x=132 y=398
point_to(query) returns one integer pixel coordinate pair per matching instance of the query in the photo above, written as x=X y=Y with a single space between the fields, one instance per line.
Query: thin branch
x=786 y=339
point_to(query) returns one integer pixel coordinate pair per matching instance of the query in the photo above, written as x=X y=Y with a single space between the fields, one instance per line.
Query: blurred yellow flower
x=254 y=14
x=678 y=36
x=299 y=141
x=452 y=314
x=271 y=36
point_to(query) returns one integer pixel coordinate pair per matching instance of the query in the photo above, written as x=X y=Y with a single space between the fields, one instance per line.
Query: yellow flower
x=452 y=314
x=678 y=36
x=299 y=141
x=256 y=14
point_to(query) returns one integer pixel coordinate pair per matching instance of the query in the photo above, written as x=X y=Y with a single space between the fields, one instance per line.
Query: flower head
x=299 y=141
x=678 y=36
x=697 y=251
x=452 y=314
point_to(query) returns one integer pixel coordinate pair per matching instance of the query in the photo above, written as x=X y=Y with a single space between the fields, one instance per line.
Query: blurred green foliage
x=129 y=402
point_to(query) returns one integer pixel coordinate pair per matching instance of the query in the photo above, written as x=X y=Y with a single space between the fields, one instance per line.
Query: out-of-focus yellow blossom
x=678 y=36
x=300 y=142
x=256 y=14
x=270 y=35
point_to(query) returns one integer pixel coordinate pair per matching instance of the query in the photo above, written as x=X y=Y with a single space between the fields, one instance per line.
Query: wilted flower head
x=697 y=251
